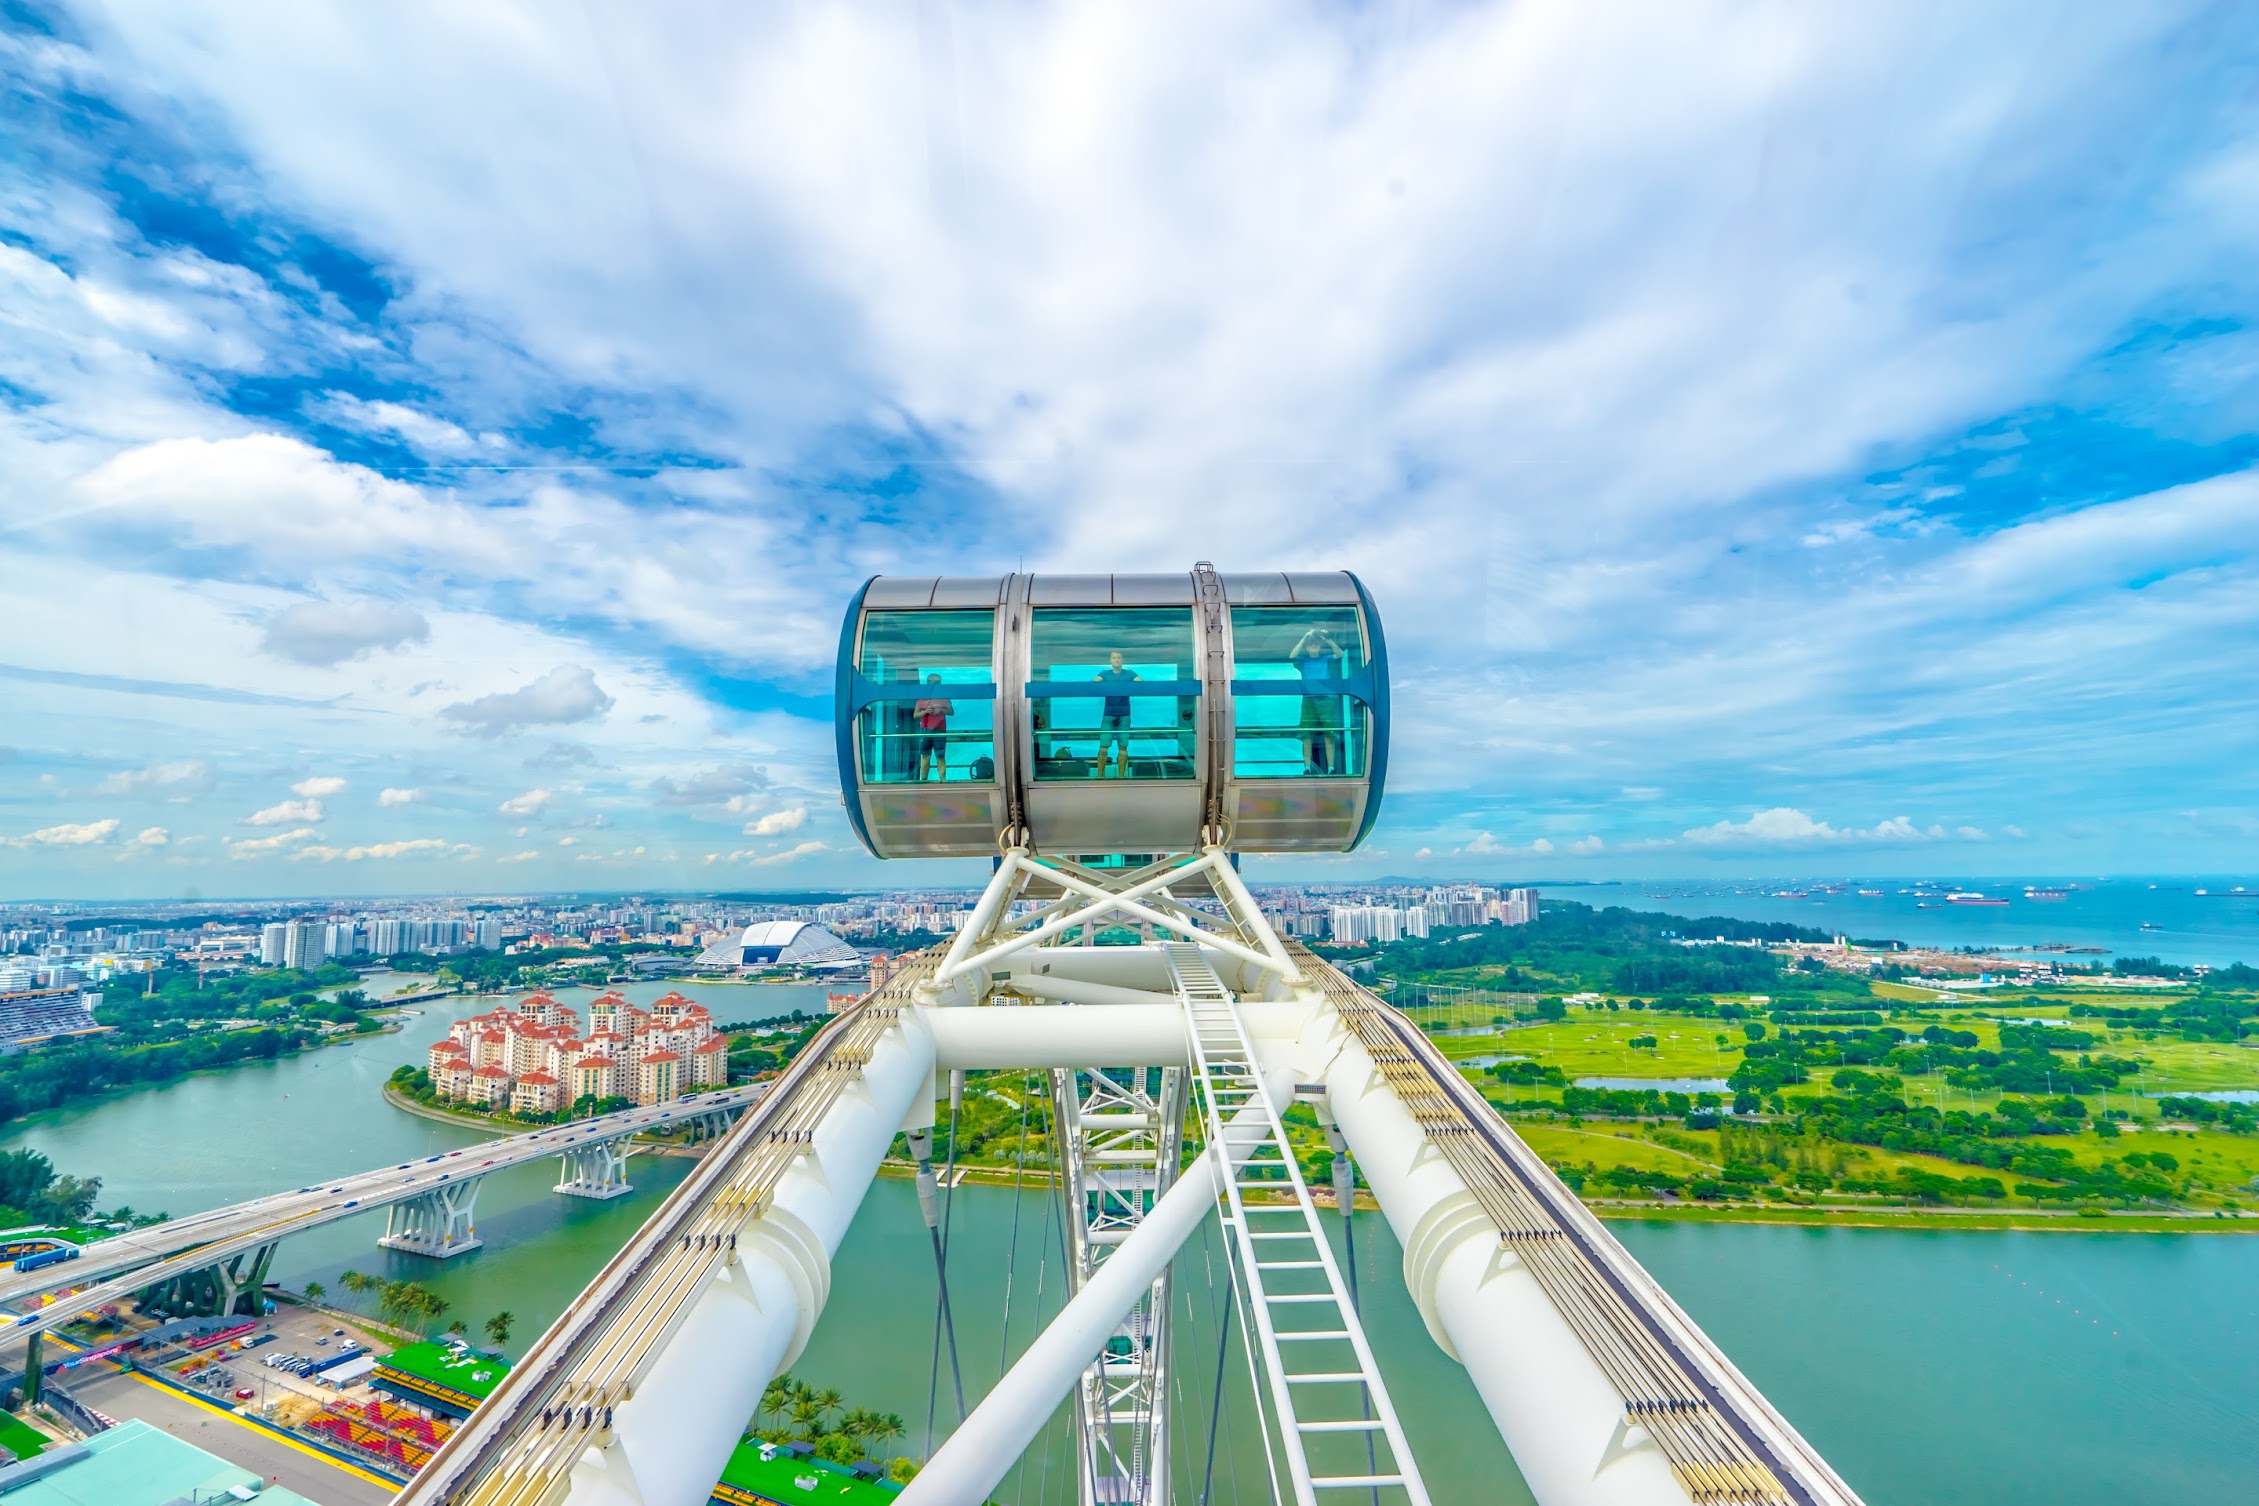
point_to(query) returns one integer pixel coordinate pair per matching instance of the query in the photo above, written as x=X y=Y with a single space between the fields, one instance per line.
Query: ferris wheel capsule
x=1112 y=716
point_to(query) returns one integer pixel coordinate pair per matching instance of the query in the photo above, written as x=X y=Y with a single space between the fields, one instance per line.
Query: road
x=217 y=1431
x=113 y=1269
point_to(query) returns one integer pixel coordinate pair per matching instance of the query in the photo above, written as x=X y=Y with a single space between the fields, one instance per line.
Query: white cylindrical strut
x=672 y=1436
x=1076 y=991
x=1043 y=1035
x=968 y=1468
x=1557 y=1411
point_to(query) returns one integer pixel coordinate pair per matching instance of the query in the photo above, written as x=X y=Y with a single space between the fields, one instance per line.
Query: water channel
x=1951 y=1367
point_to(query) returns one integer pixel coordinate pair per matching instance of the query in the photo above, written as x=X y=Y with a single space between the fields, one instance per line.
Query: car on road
x=243 y=1393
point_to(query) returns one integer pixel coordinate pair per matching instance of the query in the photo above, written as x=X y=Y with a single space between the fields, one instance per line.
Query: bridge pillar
x=234 y=1282
x=233 y=1286
x=595 y=1171
x=437 y=1223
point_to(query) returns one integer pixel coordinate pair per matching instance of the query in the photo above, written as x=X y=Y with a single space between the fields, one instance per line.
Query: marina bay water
x=1943 y=1367
x=2164 y=918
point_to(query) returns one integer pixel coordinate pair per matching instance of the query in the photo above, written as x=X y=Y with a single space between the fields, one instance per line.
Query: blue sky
x=436 y=442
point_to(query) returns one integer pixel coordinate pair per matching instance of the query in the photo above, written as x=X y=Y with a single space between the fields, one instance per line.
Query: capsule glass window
x=1113 y=693
x=1316 y=725
x=935 y=719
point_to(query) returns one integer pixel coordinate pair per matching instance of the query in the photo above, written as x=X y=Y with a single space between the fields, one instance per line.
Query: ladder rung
x=1373 y=1426
x=1328 y=1378
x=1305 y=1335
x=1290 y=1265
x=1353 y=1482
x=1309 y=1234
x=1300 y=1297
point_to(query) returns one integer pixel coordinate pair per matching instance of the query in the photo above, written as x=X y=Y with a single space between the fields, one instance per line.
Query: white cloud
x=777 y=823
x=1586 y=846
x=86 y=834
x=285 y=812
x=520 y=857
x=789 y=855
x=1784 y=826
x=176 y=781
x=417 y=847
x=323 y=634
x=260 y=847
x=435 y=436
x=1597 y=325
x=525 y=804
x=568 y=693
x=152 y=836
x=391 y=797
x=320 y=784
x=730 y=787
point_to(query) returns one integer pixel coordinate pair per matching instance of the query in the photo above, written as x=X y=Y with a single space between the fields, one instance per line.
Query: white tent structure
x=779 y=943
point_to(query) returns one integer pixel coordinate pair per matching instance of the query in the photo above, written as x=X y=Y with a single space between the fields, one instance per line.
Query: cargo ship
x=1973 y=899
x=2047 y=894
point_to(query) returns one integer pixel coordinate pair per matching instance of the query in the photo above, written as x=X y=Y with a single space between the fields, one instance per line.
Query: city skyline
x=429 y=465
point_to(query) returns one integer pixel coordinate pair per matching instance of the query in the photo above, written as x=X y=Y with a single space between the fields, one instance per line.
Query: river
x=1976 y=1367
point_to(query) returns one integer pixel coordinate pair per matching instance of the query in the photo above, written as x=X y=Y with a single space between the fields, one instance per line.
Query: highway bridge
x=430 y=1204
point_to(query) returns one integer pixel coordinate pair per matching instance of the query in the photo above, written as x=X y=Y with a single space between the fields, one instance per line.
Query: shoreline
x=501 y=1127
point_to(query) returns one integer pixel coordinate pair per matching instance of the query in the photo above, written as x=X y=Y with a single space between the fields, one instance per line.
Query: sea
x=2188 y=921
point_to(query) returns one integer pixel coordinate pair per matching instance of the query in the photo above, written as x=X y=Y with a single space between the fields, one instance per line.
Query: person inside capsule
x=1318 y=656
x=933 y=715
x=1114 y=717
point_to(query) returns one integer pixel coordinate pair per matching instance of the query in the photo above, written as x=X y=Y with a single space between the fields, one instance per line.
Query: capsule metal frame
x=1165 y=778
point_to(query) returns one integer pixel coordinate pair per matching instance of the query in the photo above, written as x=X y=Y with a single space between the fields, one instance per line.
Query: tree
x=315 y=1291
x=498 y=1326
x=359 y=1284
x=458 y=1326
x=827 y=1401
x=775 y=1397
x=806 y=1415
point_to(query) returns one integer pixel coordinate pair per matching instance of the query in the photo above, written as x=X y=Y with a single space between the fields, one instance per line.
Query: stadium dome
x=778 y=943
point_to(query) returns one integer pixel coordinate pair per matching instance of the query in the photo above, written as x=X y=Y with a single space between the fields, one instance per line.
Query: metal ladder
x=1295 y=1298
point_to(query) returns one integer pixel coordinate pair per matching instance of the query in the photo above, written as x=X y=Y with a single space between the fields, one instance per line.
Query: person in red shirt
x=933 y=715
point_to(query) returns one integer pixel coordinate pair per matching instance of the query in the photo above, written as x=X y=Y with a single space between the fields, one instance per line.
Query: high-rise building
x=488 y=936
x=1416 y=920
x=342 y=939
x=273 y=939
x=303 y=944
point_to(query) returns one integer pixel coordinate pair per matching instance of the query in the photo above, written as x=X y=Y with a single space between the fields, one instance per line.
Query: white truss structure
x=1118 y=1136
x=1119 y=1133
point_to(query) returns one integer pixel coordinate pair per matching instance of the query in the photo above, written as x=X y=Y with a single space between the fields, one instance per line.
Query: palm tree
x=315 y=1291
x=806 y=1414
x=458 y=1326
x=358 y=1284
x=888 y=1427
x=776 y=1396
x=498 y=1326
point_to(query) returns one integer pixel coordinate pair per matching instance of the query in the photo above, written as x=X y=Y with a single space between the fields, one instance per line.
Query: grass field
x=22 y=1439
